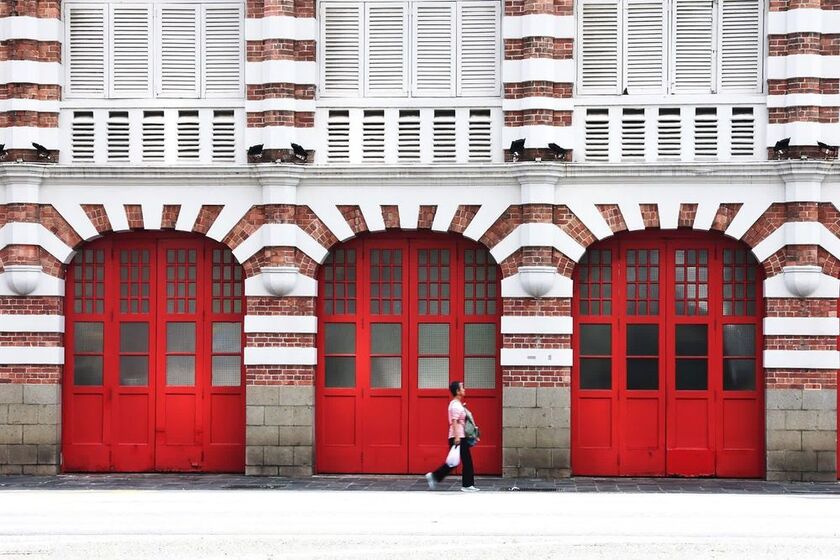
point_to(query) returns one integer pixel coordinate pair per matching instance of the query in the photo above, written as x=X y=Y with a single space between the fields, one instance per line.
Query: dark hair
x=454 y=386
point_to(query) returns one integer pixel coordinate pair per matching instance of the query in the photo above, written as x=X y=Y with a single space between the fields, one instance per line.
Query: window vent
x=408 y=148
x=223 y=136
x=597 y=135
x=740 y=44
x=668 y=132
x=705 y=133
x=599 y=47
x=338 y=133
x=743 y=132
x=83 y=136
x=222 y=49
x=386 y=54
x=443 y=145
x=644 y=39
x=188 y=135
x=633 y=135
x=86 y=50
x=179 y=50
x=342 y=48
x=479 y=140
x=693 y=45
x=477 y=73
x=434 y=34
x=153 y=136
x=373 y=136
x=118 y=136
x=131 y=50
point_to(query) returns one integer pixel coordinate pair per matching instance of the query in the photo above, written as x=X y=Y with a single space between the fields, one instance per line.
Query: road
x=266 y=524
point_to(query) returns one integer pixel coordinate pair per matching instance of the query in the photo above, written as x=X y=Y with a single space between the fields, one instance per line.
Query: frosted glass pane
x=385 y=338
x=134 y=370
x=433 y=373
x=434 y=339
x=386 y=373
x=180 y=371
x=480 y=339
x=227 y=371
x=739 y=340
x=691 y=340
x=227 y=337
x=134 y=337
x=340 y=372
x=87 y=337
x=340 y=338
x=480 y=373
x=87 y=370
x=180 y=337
x=595 y=340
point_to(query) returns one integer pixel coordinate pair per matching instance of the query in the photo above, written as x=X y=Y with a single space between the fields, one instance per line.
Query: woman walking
x=457 y=418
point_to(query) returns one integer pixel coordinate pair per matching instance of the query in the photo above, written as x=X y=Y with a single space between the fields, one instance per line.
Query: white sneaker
x=431 y=480
x=470 y=489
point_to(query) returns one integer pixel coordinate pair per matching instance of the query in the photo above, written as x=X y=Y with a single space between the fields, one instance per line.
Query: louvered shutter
x=223 y=52
x=599 y=51
x=178 y=50
x=387 y=49
x=740 y=45
x=434 y=49
x=86 y=52
x=342 y=50
x=478 y=48
x=693 y=46
x=131 y=35
x=644 y=46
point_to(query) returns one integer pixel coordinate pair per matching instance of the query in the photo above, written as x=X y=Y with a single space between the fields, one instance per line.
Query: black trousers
x=467 y=473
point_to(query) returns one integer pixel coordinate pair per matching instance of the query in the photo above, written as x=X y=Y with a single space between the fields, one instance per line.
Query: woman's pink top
x=458 y=413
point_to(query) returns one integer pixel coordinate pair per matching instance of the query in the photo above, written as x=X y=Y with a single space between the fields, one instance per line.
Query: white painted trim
x=304 y=287
x=512 y=288
x=227 y=219
x=444 y=215
x=187 y=216
x=74 y=214
x=38 y=105
x=803 y=133
x=538 y=69
x=281 y=104
x=30 y=233
x=538 y=25
x=802 y=66
x=47 y=286
x=46 y=355
x=559 y=357
x=32 y=323
x=306 y=324
x=280 y=355
x=372 y=213
x=775 y=287
x=31 y=72
x=549 y=103
x=332 y=218
x=537 y=235
x=517 y=324
x=31 y=28
x=588 y=213
x=705 y=216
x=632 y=213
x=801 y=359
x=803 y=20
x=21 y=137
x=153 y=215
x=280 y=235
x=748 y=215
x=281 y=136
x=798 y=233
x=281 y=27
x=288 y=71
x=117 y=216
x=409 y=215
x=804 y=100
x=487 y=215
x=539 y=135
x=802 y=326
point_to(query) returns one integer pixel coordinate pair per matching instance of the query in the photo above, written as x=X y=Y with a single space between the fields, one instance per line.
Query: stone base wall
x=280 y=424
x=535 y=432
x=802 y=434
x=30 y=429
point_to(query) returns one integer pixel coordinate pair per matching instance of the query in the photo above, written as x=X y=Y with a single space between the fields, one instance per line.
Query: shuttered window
x=223 y=54
x=434 y=49
x=740 y=45
x=644 y=45
x=693 y=46
x=342 y=34
x=478 y=48
x=600 y=52
x=178 y=53
x=86 y=50
x=387 y=53
x=131 y=50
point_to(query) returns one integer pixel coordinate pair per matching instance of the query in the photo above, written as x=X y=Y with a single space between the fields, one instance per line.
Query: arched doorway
x=667 y=377
x=400 y=316
x=153 y=370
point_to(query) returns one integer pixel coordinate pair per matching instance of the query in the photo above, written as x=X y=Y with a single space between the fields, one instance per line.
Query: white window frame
x=363 y=60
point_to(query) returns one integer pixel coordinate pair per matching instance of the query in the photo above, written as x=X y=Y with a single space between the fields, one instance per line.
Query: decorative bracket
x=280 y=280
x=537 y=280
x=802 y=280
x=23 y=278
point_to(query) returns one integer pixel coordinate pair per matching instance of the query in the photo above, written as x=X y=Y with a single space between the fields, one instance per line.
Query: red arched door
x=400 y=316
x=667 y=376
x=153 y=369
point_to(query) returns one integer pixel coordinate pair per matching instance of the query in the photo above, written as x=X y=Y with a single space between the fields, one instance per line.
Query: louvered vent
x=338 y=136
x=86 y=51
x=443 y=144
x=668 y=129
x=479 y=43
x=153 y=136
x=224 y=144
x=644 y=42
x=342 y=49
x=480 y=145
x=373 y=136
x=599 y=47
x=740 y=44
x=188 y=135
x=118 y=138
x=705 y=133
x=597 y=135
x=434 y=45
x=222 y=50
x=386 y=49
x=408 y=145
x=693 y=46
x=633 y=134
x=131 y=50
x=743 y=132
x=179 y=50
x=83 y=136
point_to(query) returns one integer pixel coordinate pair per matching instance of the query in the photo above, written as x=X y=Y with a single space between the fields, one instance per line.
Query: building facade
x=654 y=295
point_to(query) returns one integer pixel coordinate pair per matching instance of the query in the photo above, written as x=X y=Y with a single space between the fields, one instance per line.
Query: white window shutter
x=478 y=48
x=338 y=136
x=740 y=45
x=644 y=46
x=86 y=50
x=82 y=136
x=387 y=49
x=178 y=50
x=118 y=136
x=693 y=46
x=599 y=50
x=434 y=49
x=373 y=136
x=444 y=127
x=224 y=136
x=153 y=136
x=342 y=49
x=223 y=51
x=131 y=39
x=188 y=135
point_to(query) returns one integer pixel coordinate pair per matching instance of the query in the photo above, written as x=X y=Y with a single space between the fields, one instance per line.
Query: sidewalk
x=408 y=483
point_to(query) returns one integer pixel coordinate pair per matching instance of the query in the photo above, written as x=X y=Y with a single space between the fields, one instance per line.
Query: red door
x=401 y=317
x=667 y=371
x=154 y=367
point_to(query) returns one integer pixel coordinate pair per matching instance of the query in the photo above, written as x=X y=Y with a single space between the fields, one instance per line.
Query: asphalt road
x=162 y=524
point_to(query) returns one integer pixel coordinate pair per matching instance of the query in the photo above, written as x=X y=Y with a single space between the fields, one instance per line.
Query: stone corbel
x=22 y=278
x=802 y=280
x=280 y=280
x=537 y=280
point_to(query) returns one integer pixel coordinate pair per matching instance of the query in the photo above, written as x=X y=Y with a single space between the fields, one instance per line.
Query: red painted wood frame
x=667 y=377
x=153 y=370
x=400 y=316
